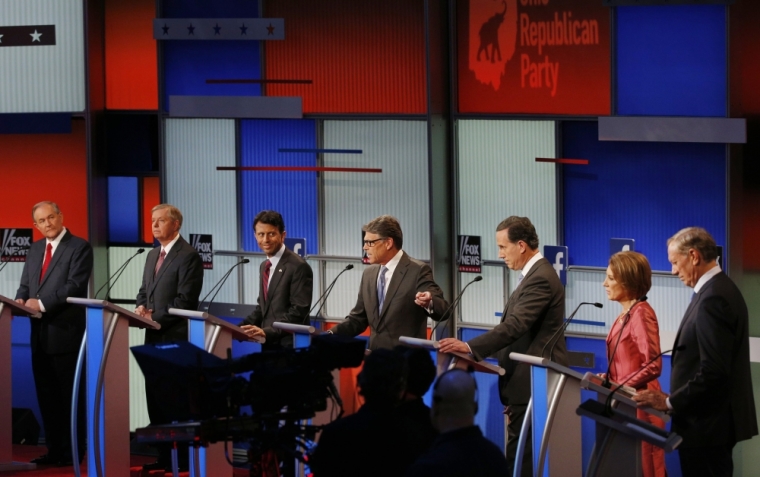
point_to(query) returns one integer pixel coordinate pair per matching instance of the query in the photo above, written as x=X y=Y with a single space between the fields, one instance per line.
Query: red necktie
x=159 y=262
x=265 y=278
x=46 y=262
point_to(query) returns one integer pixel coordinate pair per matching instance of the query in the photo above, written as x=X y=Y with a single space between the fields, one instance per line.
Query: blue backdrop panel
x=188 y=64
x=671 y=60
x=293 y=194
x=645 y=191
x=123 y=206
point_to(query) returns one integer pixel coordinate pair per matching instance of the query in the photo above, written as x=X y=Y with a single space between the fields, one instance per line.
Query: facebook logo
x=621 y=245
x=557 y=256
x=297 y=246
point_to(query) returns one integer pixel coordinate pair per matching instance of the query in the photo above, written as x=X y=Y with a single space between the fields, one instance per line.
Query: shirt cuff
x=667 y=403
x=468 y=347
x=42 y=307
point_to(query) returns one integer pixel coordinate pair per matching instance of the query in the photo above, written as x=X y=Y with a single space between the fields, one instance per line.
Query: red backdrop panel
x=533 y=56
x=745 y=50
x=363 y=56
x=151 y=197
x=45 y=167
x=131 y=65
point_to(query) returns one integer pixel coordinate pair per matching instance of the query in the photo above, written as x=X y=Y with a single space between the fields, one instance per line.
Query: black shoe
x=65 y=462
x=46 y=459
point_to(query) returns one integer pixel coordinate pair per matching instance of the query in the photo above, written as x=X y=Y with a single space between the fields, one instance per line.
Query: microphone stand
x=118 y=271
x=328 y=290
x=564 y=327
x=453 y=305
x=220 y=284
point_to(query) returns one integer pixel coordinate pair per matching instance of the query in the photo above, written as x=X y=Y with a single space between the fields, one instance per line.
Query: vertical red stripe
x=131 y=65
x=151 y=197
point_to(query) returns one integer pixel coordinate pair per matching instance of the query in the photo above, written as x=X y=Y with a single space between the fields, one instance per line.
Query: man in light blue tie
x=397 y=293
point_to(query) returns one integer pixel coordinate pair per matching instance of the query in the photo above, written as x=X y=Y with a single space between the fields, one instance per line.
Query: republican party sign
x=534 y=56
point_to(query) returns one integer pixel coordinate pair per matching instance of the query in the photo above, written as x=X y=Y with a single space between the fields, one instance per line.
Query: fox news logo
x=202 y=244
x=16 y=243
x=469 y=254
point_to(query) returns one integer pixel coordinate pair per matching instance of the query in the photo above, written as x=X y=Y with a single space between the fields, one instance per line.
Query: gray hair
x=174 y=212
x=46 y=202
x=695 y=238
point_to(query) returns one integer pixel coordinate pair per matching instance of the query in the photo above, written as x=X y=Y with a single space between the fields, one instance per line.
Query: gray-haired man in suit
x=534 y=313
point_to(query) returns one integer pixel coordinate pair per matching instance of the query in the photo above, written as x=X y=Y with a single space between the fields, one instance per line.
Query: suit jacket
x=177 y=284
x=710 y=381
x=62 y=325
x=400 y=316
x=534 y=312
x=290 y=292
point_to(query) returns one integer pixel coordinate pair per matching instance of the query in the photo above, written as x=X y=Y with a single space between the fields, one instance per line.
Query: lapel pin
x=279 y=271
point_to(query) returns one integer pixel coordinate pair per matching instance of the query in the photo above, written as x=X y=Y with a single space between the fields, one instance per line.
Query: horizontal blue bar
x=323 y=151
x=586 y=322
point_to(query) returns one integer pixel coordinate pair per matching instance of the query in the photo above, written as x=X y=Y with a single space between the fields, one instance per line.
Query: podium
x=214 y=335
x=107 y=371
x=556 y=437
x=9 y=308
x=301 y=333
x=617 y=450
x=456 y=359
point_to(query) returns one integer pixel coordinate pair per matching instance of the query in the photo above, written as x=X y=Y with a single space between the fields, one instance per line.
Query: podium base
x=8 y=466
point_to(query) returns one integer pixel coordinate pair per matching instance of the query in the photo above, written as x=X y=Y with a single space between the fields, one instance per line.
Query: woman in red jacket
x=634 y=340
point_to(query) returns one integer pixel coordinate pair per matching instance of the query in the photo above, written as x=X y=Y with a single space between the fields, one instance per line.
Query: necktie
x=160 y=262
x=46 y=262
x=265 y=279
x=381 y=289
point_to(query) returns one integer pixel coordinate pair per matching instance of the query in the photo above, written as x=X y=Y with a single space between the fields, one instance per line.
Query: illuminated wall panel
x=645 y=191
x=151 y=196
x=671 y=60
x=499 y=177
x=362 y=56
x=352 y=199
x=43 y=77
x=533 y=57
x=45 y=167
x=131 y=64
x=293 y=194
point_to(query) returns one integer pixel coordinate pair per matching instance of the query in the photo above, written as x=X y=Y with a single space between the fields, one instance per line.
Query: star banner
x=219 y=28
x=27 y=35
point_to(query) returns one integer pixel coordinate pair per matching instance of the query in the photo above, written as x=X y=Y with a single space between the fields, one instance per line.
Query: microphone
x=453 y=305
x=608 y=402
x=564 y=327
x=118 y=272
x=5 y=264
x=220 y=284
x=626 y=318
x=329 y=288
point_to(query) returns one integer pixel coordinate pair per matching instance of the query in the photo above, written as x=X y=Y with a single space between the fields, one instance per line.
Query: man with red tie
x=285 y=288
x=172 y=278
x=57 y=267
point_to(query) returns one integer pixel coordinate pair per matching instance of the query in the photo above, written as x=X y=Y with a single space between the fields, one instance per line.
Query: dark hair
x=421 y=369
x=697 y=238
x=632 y=271
x=383 y=377
x=270 y=217
x=386 y=226
x=520 y=228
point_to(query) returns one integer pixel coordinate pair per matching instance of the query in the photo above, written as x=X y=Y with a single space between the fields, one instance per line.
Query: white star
x=35 y=36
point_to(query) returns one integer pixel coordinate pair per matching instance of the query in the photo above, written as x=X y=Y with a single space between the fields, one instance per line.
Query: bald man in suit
x=57 y=267
x=397 y=293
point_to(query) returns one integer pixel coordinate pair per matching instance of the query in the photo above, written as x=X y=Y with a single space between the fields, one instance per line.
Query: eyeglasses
x=371 y=243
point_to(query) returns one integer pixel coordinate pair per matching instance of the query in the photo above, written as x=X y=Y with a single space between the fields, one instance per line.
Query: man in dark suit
x=285 y=287
x=57 y=267
x=711 y=396
x=534 y=313
x=397 y=293
x=172 y=278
